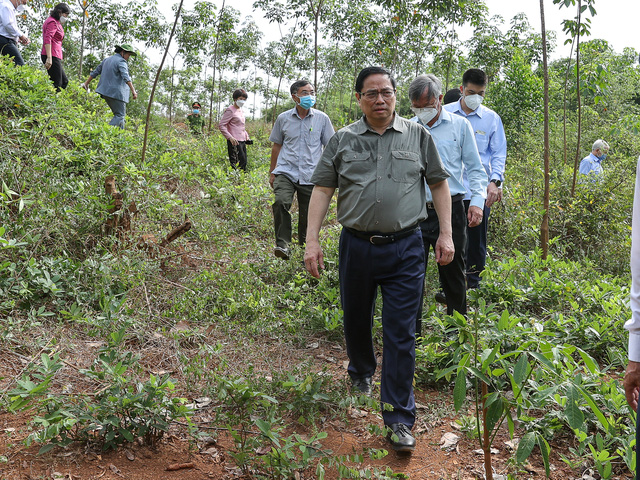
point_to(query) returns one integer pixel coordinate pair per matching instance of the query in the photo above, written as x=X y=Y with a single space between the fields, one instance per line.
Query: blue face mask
x=307 y=102
x=196 y=111
x=603 y=157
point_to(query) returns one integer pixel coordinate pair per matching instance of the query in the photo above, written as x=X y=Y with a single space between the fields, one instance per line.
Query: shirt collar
x=362 y=126
x=294 y=112
x=478 y=111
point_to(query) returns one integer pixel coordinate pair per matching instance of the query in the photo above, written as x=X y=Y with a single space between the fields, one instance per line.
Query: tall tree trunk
x=215 y=59
x=84 y=24
x=173 y=71
x=577 y=159
x=544 y=228
x=155 y=83
x=486 y=442
x=281 y=76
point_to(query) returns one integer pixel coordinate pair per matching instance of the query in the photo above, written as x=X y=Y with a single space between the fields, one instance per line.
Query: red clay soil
x=192 y=461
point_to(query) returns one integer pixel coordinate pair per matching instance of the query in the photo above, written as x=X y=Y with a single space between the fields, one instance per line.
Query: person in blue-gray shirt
x=456 y=145
x=492 y=147
x=115 y=82
x=298 y=137
x=591 y=165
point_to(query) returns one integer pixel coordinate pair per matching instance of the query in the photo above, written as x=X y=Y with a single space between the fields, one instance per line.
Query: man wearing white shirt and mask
x=492 y=147
x=455 y=141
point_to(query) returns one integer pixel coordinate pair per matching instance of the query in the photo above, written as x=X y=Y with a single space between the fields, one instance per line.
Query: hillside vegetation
x=110 y=336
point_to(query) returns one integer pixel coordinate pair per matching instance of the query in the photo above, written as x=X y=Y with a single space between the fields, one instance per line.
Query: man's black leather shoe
x=400 y=438
x=441 y=298
x=362 y=385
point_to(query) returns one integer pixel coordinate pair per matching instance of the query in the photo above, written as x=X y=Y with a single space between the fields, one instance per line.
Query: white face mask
x=63 y=19
x=425 y=115
x=20 y=8
x=240 y=103
x=473 y=101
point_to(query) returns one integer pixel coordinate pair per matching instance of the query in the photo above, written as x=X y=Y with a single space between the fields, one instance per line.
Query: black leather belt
x=454 y=198
x=382 y=238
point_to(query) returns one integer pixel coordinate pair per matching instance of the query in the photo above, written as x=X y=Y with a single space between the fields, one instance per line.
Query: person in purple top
x=52 y=36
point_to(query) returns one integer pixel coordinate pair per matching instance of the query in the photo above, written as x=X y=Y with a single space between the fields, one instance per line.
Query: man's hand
x=48 y=64
x=272 y=177
x=24 y=40
x=494 y=194
x=313 y=258
x=474 y=216
x=235 y=142
x=135 y=94
x=632 y=384
x=444 y=249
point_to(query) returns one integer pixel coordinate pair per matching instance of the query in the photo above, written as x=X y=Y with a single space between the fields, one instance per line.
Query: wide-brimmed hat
x=195 y=104
x=127 y=48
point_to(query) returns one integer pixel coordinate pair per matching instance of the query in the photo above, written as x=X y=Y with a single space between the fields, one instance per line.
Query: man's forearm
x=275 y=152
x=318 y=207
x=442 y=202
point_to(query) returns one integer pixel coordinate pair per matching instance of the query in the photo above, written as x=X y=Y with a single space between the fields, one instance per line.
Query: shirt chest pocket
x=356 y=167
x=482 y=140
x=405 y=166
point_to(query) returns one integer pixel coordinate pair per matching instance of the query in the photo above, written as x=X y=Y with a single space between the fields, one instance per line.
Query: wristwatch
x=497 y=182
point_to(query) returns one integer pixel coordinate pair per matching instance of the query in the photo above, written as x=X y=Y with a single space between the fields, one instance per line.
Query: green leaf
x=46 y=448
x=459 y=390
x=520 y=370
x=494 y=412
x=575 y=417
x=544 y=449
x=126 y=434
x=525 y=447
x=596 y=411
x=588 y=361
x=503 y=323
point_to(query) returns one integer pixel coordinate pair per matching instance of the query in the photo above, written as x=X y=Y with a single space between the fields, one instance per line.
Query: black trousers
x=8 y=46
x=56 y=73
x=452 y=276
x=237 y=155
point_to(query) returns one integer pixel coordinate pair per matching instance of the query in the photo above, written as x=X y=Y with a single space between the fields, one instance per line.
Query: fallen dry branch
x=180 y=466
x=176 y=232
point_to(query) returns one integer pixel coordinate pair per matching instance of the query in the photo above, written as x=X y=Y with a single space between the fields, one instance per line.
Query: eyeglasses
x=304 y=93
x=372 y=95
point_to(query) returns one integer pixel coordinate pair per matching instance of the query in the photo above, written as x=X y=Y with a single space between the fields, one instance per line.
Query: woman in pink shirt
x=52 y=35
x=232 y=127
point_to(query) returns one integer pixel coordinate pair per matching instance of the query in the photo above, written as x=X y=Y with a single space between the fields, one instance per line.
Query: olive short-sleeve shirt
x=380 y=178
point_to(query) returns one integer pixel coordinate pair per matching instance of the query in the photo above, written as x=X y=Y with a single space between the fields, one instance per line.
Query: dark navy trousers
x=476 y=247
x=398 y=269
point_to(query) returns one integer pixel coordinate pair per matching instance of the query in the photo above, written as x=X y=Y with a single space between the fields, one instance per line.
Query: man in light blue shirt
x=591 y=165
x=115 y=83
x=456 y=145
x=492 y=147
x=298 y=137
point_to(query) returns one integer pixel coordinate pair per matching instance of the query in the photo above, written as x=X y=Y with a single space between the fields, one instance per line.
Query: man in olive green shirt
x=381 y=165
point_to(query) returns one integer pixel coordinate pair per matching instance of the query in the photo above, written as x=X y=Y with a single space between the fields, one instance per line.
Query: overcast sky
x=616 y=20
